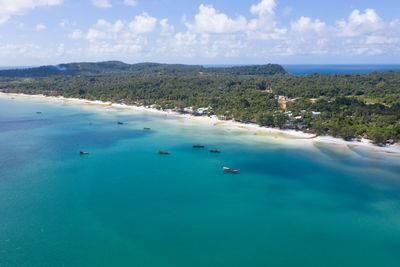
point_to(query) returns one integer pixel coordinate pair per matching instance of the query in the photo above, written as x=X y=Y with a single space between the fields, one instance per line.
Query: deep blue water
x=339 y=69
x=125 y=205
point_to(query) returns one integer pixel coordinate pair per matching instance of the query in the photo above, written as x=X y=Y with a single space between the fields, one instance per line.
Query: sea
x=123 y=204
x=302 y=69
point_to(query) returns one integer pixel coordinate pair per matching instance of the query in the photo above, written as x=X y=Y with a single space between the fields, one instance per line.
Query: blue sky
x=38 y=32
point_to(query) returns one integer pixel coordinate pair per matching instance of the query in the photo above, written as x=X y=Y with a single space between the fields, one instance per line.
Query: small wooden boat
x=120 y=123
x=83 y=153
x=145 y=128
x=215 y=151
x=38 y=112
x=226 y=169
x=198 y=146
x=163 y=152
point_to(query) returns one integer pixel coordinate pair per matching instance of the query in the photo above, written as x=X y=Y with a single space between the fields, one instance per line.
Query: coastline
x=288 y=136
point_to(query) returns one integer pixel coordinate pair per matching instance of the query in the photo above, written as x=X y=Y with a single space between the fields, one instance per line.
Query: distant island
x=350 y=106
x=120 y=68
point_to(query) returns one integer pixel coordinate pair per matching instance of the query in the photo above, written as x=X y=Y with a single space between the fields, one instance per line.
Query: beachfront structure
x=188 y=110
x=201 y=111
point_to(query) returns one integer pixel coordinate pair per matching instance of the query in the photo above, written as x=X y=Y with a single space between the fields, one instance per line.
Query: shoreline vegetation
x=287 y=136
x=348 y=106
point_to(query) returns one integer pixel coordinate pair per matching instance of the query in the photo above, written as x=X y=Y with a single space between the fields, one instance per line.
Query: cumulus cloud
x=143 y=23
x=265 y=10
x=120 y=30
x=165 y=27
x=209 y=20
x=104 y=30
x=9 y=8
x=360 y=23
x=212 y=34
x=306 y=25
x=101 y=3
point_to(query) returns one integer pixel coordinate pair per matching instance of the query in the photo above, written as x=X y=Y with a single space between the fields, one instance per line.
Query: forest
x=350 y=106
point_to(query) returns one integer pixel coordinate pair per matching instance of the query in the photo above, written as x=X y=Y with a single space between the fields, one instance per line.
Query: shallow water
x=125 y=205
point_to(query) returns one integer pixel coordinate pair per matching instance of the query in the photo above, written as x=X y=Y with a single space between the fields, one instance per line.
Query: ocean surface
x=339 y=69
x=126 y=205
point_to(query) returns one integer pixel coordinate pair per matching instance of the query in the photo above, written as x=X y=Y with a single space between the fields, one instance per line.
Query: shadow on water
x=357 y=190
x=26 y=123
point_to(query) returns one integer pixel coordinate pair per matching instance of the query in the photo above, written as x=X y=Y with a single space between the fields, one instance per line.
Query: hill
x=120 y=68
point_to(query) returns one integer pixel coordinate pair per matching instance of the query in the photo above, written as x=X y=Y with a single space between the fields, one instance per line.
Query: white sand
x=288 y=136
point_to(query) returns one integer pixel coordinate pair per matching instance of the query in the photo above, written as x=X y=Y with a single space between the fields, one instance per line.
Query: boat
x=198 y=146
x=215 y=151
x=38 y=112
x=163 y=152
x=145 y=128
x=226 y=169
x=83 y=152
x=120 y=123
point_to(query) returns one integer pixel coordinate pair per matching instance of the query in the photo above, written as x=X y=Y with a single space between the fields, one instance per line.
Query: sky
x=41 y=32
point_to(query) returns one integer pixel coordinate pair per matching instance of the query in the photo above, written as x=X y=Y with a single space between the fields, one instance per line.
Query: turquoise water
x=125 y=205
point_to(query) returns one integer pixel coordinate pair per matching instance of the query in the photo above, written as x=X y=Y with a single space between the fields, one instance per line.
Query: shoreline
x=288 y=136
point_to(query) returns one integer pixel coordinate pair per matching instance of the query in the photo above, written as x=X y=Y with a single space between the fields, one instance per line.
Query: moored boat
x=83 y=152
x=226 y=169
x=163 y=152
x=145 y=128
x=198 y=146
x=215 y=151
x=120 y=123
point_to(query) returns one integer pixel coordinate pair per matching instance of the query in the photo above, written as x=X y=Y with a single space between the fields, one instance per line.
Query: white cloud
x=380 y=40
x=265 y=7
x=143 y=23
x=185 y=39
x=67 y=24
x=209 y=20
x=212 y=35
x=306 y=25
x=265 y=10
x=165 y=27
x=101 y=3
x=76 y=34
x=130 y=2
x=10 y=8
x=360 y=23
x=40 y=27
x=104 y=30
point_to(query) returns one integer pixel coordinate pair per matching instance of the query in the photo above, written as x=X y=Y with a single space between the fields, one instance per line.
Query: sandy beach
x=291 y=137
